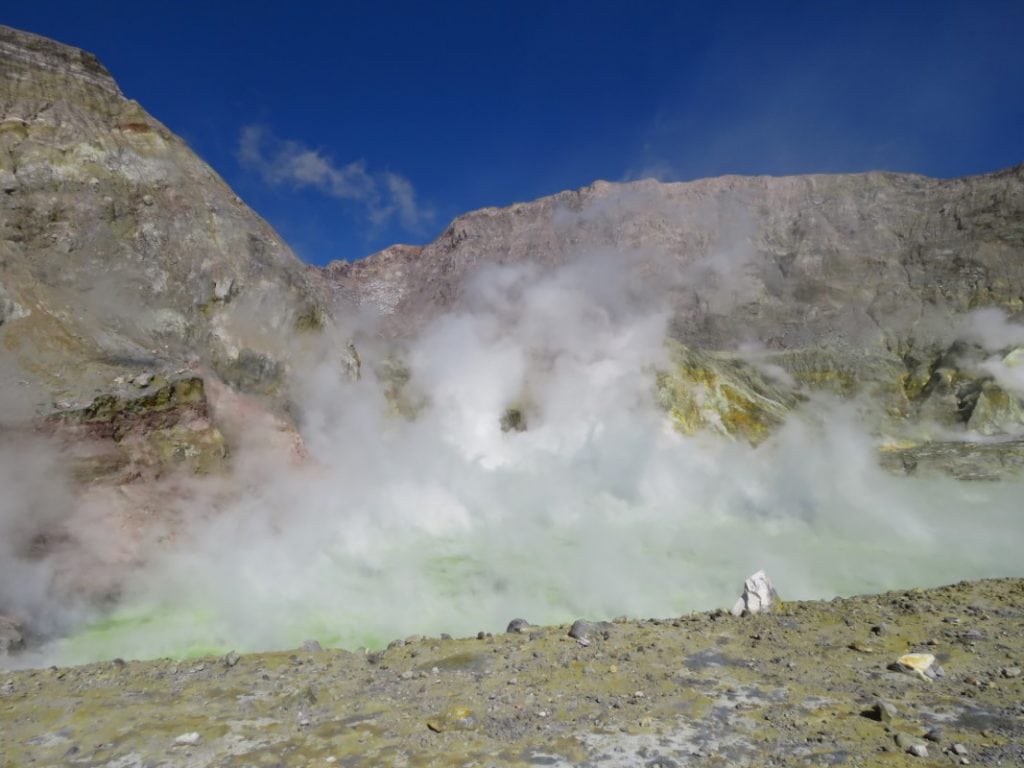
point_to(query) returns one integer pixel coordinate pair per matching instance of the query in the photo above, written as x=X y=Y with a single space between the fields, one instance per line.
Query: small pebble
x=187 y=739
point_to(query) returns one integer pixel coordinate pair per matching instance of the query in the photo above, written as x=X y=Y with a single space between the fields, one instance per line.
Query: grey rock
x=958 y=749
x=231 y=659
x=996 y=412
x=588 y=631
x=1010 y=672
x=311 y=645
x=908 y=743
x=883 y=711
x=918 y=750
x=10 y=310
x=223 y=289
x=518 y=627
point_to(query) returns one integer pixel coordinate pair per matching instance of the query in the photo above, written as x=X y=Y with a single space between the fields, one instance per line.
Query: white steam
x=32 y=498
x=447 y=523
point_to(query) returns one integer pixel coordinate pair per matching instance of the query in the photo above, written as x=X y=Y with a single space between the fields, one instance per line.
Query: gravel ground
x=809 y=684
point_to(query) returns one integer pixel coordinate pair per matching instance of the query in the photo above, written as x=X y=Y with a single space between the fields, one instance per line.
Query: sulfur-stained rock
x=996 y=412
x=721 y=393
x=920 y=664
x=453 y=719
x=165 y=426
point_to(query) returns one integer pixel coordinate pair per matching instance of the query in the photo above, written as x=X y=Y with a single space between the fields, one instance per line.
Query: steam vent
x=229 y=480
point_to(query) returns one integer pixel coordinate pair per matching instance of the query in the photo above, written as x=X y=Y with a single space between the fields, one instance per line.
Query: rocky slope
x=121 y=252
x=809 y=684
x=849 y=260
x=147 y=316
x=854 y=284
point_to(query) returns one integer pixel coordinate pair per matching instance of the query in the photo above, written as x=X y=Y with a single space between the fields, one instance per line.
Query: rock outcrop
x=855 y=261
x=133 y=282
x=858 y=285
x=121 y=252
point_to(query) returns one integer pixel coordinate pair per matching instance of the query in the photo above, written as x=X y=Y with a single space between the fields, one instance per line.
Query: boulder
x=996 y=412
x=758 y=595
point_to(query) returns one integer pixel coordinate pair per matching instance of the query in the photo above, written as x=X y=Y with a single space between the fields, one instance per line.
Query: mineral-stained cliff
x=848 y=260
x=121 y=252
x=134 y=287
x=856 y=284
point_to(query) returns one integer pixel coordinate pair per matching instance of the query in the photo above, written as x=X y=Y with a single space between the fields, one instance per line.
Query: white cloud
x=384 y=196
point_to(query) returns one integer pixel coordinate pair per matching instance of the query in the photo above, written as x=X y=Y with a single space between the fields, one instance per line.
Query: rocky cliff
x=121 y=252
x=856 y=284
x=851 y=261
x=134 y=287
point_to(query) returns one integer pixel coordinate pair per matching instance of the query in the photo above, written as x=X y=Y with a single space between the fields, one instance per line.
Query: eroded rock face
x=133 y=282
x=849 y=259
x=857 y=285
x=164 y=425
x=120 y=250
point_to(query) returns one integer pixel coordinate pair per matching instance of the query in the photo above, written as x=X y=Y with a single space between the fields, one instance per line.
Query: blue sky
x=353 y=125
